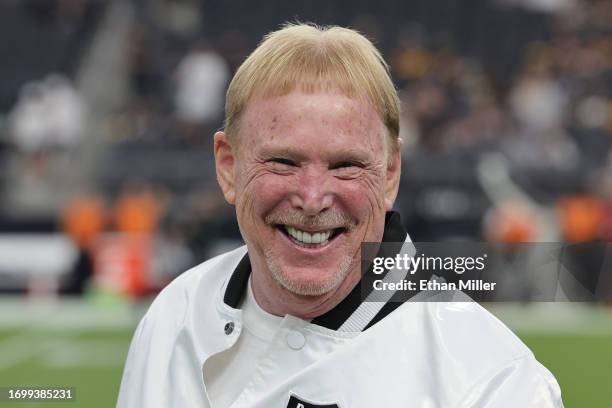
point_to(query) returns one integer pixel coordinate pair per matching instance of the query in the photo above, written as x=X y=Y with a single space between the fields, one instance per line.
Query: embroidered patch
x=295 y=402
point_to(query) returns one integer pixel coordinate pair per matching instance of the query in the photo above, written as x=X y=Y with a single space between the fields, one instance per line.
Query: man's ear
x=394 y=170
x=224 y=164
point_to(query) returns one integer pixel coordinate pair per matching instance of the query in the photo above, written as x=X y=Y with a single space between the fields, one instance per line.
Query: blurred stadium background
x=107 y=184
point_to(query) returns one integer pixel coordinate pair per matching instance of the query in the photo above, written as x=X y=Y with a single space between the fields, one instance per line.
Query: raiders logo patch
x=295 y=402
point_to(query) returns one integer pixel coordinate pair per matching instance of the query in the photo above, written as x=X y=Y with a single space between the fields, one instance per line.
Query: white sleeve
x=130 y=387
x=523 y=383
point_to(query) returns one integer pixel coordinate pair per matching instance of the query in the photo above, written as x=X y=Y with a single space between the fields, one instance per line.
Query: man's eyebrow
x=349 y=154
x=345 y=153
x=279 y=151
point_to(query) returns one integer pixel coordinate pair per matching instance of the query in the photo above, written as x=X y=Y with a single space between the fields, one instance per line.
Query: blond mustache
x=323 y=221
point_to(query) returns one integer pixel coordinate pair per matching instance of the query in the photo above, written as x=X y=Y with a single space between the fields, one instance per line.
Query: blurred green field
x=581 y=364
x=89 y=361
x=85 y=347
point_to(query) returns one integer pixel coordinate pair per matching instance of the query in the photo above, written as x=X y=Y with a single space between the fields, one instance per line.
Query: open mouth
x=310 y=239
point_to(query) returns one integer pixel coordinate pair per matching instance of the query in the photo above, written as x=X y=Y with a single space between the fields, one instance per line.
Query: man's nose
x=313 y=193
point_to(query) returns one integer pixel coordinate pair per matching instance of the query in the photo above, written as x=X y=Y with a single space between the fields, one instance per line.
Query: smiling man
x=311 y=175
x=310 y=159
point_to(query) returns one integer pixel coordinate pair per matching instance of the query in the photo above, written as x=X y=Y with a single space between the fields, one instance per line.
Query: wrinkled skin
x=315 y=162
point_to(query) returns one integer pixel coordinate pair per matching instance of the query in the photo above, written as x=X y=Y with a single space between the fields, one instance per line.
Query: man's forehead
x=327 y=111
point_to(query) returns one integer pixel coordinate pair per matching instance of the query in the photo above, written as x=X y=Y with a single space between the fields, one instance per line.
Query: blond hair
x=315 y=59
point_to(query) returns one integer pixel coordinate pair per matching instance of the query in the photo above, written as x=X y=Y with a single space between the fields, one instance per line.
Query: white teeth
x=308 y=238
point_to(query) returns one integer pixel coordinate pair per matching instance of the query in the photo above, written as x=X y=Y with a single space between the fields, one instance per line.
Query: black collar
x=333 y=319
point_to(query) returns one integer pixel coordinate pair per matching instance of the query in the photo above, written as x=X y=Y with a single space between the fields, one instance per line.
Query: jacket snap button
x=295 y=340
x=229 y=328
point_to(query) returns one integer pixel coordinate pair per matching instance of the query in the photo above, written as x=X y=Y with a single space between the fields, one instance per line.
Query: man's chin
x=306 y=288
x=308 y=282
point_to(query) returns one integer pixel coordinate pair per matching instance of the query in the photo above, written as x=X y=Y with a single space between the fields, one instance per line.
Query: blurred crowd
x=506 y=119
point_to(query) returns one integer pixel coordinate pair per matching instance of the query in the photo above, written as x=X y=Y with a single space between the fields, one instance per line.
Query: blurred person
x=83 y=220
x=310 y=158
x=29 y=120
x=127 y=262
x=539 y=102
x=201 y=78
x=67 y=112
x=48 y=114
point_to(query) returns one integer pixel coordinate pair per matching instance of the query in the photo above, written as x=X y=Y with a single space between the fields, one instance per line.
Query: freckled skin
x=335 y=158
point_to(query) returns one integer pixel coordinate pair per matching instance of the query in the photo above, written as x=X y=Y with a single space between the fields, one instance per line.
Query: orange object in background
x=512 y=224
x=137 y=211
x=581 y=218
x=83 y=219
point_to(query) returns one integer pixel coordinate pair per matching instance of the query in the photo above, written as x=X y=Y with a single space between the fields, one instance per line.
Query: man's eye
x=345 y=165
x=280 y=160
x=347 y=169
x=280 y=165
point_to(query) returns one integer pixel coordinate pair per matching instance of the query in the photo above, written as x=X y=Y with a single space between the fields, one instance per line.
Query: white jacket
x=420 y=354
